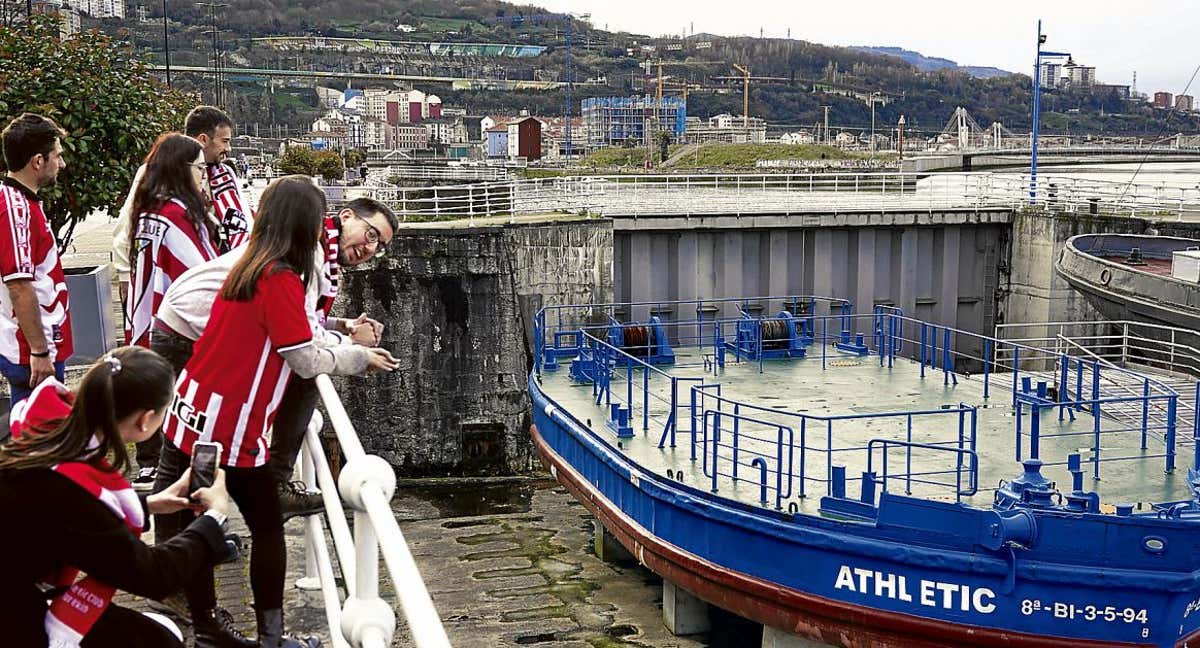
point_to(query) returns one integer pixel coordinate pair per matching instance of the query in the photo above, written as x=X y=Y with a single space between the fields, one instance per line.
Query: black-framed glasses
x=374 y=237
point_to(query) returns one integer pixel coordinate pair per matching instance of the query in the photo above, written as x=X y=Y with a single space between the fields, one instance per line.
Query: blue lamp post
x=1037 y=106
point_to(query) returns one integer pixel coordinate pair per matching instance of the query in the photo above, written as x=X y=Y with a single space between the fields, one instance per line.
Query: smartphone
x=205 y=457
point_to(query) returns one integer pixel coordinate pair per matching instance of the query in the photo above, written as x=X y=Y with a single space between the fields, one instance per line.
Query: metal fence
x=784 y=194
x=360 y=619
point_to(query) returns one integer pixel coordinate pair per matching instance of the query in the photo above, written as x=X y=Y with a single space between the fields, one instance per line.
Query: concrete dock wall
x=457 y=304
x=940 y=267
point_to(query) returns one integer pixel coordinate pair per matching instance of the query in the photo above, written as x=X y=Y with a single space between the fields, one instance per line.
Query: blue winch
x=783 y=336
x=647 y=342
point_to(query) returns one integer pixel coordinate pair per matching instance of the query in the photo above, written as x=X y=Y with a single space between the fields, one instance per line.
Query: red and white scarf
x=73 y=613
x=233 y=212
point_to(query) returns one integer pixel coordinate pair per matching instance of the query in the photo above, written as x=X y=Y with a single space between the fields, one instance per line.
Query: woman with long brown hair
x=258 y=334
x=172 y=231
x=61 y=481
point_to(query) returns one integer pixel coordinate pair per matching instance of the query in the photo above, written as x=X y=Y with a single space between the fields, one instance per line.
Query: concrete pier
x=683 y=613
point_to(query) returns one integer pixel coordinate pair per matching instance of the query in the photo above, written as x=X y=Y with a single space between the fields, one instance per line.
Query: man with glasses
x=213 y=128
x=357 y=233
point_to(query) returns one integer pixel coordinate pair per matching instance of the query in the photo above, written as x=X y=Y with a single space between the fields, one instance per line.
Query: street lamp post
x=166 y=45
x=216 y=62
x=1037 y=106
x=873 y=95
x=900 y=137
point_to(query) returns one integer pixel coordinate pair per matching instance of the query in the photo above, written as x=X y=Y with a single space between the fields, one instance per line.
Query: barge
x=869 y=479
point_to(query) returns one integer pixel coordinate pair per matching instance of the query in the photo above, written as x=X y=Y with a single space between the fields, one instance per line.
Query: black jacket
x=47 y=521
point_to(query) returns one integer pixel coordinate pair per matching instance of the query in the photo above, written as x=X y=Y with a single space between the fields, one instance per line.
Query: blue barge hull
x=882 y=570
x=825 y=618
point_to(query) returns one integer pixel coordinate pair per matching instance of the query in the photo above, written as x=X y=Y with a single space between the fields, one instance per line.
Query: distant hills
x=933 y=63
x=796 y=82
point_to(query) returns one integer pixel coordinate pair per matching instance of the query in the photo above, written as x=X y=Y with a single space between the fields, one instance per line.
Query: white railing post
x=308 y=474
x=366 y=483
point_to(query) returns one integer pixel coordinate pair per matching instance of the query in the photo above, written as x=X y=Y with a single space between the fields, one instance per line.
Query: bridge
x=476 y=83
x=969 y=160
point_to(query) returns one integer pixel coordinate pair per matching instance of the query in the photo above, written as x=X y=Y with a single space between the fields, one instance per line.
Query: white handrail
x=785 y=193
x=366 y=484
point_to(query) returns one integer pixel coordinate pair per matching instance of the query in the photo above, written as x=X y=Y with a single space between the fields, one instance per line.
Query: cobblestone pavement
x=507 y=564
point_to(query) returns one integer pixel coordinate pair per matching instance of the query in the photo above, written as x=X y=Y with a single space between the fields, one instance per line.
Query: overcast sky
x=1160 y=39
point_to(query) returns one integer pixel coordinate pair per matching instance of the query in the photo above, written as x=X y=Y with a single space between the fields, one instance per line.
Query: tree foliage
x=108 y=102
x=305 y=161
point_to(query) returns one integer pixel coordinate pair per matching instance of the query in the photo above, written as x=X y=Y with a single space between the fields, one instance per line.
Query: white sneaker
x=145 y=479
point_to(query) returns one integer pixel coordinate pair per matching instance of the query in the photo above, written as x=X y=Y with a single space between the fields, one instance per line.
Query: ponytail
x=128 y=380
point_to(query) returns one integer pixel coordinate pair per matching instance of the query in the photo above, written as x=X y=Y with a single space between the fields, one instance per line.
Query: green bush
x=108 y=101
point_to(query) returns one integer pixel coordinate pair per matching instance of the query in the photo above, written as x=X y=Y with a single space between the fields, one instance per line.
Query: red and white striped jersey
x=233 y=212
x=166 y=243
x=230 y=389
x=28 y=251
x=328 y=279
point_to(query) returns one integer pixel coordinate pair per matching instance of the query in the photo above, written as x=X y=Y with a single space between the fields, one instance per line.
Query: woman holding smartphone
x=229 y=391
x=61 y=480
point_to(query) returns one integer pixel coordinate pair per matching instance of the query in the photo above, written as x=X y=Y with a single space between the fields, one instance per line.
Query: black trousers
x=177 y=350
x=296 y=408
x=120 y=627
x=255 y=493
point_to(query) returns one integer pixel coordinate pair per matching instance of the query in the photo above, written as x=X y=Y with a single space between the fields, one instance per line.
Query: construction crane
x=745 y=94
x=567 y=20
x=745 y=78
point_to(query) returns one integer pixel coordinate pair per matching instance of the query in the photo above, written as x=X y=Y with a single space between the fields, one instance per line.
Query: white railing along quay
x=787 y=193
x=366 y=484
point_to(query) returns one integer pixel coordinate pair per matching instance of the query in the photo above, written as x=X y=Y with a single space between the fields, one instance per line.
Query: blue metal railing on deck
x=727 y=436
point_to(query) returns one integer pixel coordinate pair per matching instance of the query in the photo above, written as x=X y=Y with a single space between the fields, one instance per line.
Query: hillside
x=931 y=63
x=806 y=76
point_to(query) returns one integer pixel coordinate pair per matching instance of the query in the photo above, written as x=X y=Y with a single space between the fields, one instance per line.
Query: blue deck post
x=1145 y=409
x=837 y=481
x=761 y=464
x=1020 y=412
x=693 y=415
x=737 y=428
x=715 y=447
x=947 y=359
x=907 y=456
x=933 y=346
x=646 y=402
x=1096 y=420
x=895 y=324
x=804 y=449
x=629 y=384
x=759 y=341
x=1196 y=430
x=987 y=366
x=829 y=450
x=1079 y=384
x=962 y=419
x=824 y=340
x=1035 y=430
x=923 y=344
x=1016 y=372
x=974 y=464
x=1171 y=405
x=1062 y=386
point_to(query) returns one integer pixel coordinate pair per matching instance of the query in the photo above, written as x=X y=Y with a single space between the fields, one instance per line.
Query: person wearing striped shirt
x=35 y=325
x=214 y=130
x=172 y=232
x=229 y=391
